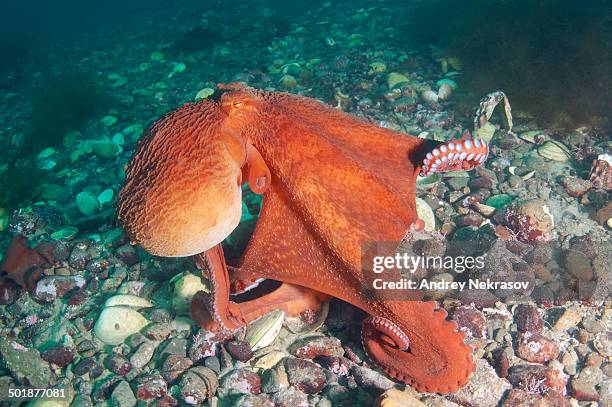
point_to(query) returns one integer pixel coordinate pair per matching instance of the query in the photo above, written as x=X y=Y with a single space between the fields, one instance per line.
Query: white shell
x=185 y=288
x=264 y=330
x=425 y=213
x=127 y=300
x=115 y=324
x=429 y=96
x=444 y=91
x=554 y=150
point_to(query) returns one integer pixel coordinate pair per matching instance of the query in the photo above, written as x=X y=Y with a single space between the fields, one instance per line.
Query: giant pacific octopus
x=329 y=182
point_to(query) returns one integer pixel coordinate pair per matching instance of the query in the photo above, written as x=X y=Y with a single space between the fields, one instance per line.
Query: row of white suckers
x=454 y=150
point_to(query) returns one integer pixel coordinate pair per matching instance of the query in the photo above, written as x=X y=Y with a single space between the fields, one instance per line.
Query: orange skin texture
x=334 y=182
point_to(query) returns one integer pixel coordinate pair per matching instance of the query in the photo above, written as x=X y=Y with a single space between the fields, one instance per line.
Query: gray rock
x=122 y=395
x=485 y=388
x=371 y=379
x=26 y=365
x=143 y=354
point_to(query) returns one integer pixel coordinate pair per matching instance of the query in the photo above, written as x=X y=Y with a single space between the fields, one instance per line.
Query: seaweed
x=552 y=57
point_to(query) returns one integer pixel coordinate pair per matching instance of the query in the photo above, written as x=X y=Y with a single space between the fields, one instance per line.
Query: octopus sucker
x=329 y=182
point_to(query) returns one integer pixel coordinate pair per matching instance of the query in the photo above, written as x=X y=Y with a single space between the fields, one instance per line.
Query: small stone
x=59 y=356
x=174 y=366
x=118 y=364
x=212 y=362
x=579 y=265
x=84 y=366
x=310 y=348
x=569 y=319
x=306 y=376
x=290 y=398
x=143 y=354
x=52 y=287
x=106 y=149
x=520 y=398
x=157 y=331
x=583 y=390
x=87 y=203
x=240 y=350
x=127 y=254
x=198 y=384
x=396 y=80
x=274 y=380
x=242 y=381
x=528 y=319
x=336 y=364
x=472 y=322
x=397 y=398
x=485 y=388
x=150 y=387
x=576 y=187
x=25 y=364
x=530 y=220
x=536 y=378
x=536 y=348
x=370 y=379
x=481 y=182
x=122 y=395
x=288 y=81
x=569 y=360
x=108 y=120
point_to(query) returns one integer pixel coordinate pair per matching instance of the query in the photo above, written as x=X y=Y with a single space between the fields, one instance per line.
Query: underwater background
x=80 y=82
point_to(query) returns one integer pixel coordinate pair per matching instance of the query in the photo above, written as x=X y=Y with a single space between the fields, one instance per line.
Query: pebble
x=122 y=395
x=174 y=366
x=198 y=384
x=143 y=354
x=87 y=203
x=583 y=390
x=157 y=331
x=274 y=380
x=603 y=344
x=251 y=400
x=472 y=322
x=118 y=364
x=306 y=376
x=49 y=288
x=309 y=348
x=569 y=360
x=150 y=387
x=397 y=398
x=530 y=220
x=106 y=149
x=240 y=350
x=370 y=379
x=84 y=366
x=25 y=364
x=242 y=381
x=528 y=319
x=568 y=319
x=127 y=254
x=485 y=388
x=579 y=265
x=536 y=348
x=290 y=398
x=59 y=356
x=336 y=364
x=576 y=187
x=536 y=378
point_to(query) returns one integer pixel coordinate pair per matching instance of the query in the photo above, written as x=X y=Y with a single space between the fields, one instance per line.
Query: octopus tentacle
x=455 y=155
x=437 y=361
x=386 y=327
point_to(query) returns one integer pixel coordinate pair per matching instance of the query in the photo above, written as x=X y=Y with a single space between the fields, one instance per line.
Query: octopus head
x=182 y=193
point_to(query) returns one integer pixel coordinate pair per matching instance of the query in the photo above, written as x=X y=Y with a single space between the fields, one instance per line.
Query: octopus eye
x=238 y=104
